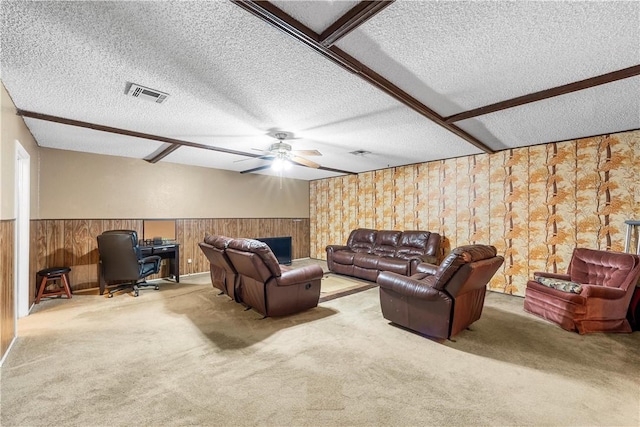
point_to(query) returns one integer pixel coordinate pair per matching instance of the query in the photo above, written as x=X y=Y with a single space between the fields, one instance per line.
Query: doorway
x=23 y=200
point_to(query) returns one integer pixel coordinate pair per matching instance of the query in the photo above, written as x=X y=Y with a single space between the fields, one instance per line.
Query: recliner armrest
x=604 y=292
x=429 y=259
x=409 y=286
x=427 y=268
x=300 y=275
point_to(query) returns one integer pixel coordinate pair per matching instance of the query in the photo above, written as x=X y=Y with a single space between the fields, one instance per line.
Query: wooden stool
x=51 y=275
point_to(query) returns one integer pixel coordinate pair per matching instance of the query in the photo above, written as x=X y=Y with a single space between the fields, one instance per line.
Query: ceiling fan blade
x=306 y=152
x=259 y=168
x=265 y=157
x=304 y=162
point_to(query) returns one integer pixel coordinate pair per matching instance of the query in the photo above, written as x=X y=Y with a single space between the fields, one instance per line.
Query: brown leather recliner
x=596 y=297
x=223 y=274
x=268 y=287
x=440 y=301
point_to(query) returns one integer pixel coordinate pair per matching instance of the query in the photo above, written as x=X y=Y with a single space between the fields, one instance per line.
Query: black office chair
x=120 y=261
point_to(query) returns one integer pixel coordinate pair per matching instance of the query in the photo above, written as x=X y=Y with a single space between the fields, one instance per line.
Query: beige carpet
x=334 y=285
x=185 y=356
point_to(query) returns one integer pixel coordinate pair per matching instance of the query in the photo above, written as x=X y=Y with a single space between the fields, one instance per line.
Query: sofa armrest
x=409 y=286
x=333 y=248
x=603 y=292
x=301 y=275
x=427 y=268
x=552 y=275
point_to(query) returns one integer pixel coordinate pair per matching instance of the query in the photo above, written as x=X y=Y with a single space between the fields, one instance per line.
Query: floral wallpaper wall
x=535 y=204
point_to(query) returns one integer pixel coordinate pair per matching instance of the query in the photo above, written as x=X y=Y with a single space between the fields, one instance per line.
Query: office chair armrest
x=150 y=258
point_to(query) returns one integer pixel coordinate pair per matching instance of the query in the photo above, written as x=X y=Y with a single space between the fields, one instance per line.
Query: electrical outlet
x=189 y=261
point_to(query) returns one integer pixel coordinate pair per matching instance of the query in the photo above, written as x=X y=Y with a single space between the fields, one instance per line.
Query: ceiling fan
x=282 y=156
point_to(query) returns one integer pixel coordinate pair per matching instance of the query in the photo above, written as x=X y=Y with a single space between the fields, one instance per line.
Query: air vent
x=147 y=93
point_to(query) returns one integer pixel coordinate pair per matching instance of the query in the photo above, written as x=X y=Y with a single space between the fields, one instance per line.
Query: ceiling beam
x=271 y=14
x=547 y=93
x=176 y=142
x=259 y=168
x=108 y=129
x=351 y=20
x=164 y=153
x=282 y=21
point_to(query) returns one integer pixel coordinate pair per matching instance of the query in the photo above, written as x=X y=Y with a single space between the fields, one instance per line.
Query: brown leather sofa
x=369 y=252
x=440 y=301
x=223 y=274
x=248 y=271
x=593 y=296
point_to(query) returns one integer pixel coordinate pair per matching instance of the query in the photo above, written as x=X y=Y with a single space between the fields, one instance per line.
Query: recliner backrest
x=254 y=259
x=362 y=240
x=466 y=264
x=119 y=255
x=216 y=252
x=604 y=268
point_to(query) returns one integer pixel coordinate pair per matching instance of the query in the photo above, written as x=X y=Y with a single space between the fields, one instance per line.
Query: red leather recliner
x=603 y=284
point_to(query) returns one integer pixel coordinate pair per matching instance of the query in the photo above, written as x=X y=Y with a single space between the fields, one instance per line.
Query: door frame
x=23 y=216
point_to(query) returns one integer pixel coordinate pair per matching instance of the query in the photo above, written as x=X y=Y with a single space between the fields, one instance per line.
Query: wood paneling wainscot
x=73 y=242
x=7 y=291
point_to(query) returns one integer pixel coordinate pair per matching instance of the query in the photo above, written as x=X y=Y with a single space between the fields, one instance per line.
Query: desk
x=170 y=251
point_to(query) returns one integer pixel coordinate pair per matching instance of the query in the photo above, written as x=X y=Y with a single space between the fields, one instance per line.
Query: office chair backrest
x=119 y=254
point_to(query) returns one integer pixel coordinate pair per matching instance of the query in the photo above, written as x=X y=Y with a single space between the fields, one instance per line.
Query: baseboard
x=6 y=353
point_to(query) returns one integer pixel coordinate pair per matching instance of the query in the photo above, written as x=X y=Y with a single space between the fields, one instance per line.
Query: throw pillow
x=559 y=284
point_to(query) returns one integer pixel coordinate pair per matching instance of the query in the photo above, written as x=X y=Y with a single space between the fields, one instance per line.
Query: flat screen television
x=281 y=248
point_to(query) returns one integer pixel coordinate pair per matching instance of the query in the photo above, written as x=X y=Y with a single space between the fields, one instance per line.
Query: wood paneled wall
x=7 y=287
x=535 y=204
x=73 y=242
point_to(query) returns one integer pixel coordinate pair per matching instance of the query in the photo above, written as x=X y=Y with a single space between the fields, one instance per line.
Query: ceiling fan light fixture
x=280 y=163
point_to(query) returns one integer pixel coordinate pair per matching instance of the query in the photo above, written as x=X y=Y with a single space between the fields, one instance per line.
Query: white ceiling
x=233 y=79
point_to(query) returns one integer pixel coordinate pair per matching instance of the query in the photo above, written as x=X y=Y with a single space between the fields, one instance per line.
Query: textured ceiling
x=234 y=80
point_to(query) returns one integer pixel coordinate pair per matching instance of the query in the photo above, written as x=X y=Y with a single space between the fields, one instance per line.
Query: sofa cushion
x=561 y=285
x=395 y=265
x=386 y=242
x=362 y=240
x=343 y=257
x=412 y=244
x=367 y=261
